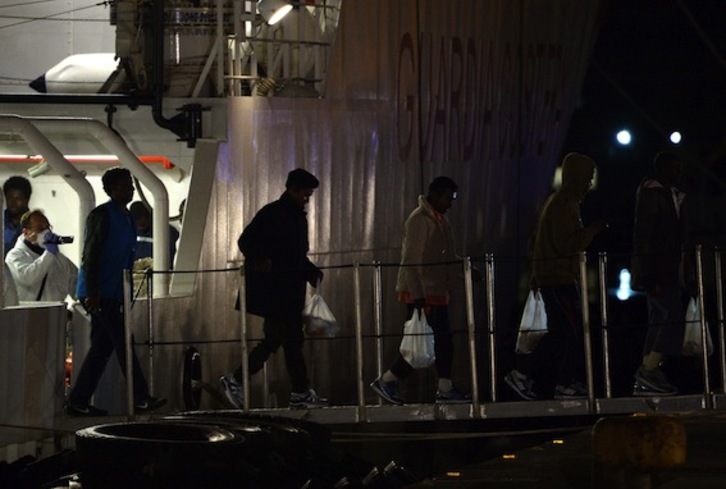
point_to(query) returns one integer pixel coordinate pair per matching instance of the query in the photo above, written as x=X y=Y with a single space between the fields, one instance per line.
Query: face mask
x=40 y=241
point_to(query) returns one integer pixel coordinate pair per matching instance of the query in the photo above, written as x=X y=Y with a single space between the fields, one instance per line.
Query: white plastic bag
x=692 y=340
x=417 y=345
x=533 y=325
x=318 y=321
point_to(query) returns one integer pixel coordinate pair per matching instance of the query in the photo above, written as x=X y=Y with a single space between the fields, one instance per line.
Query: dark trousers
x=107 y=336
x=562 y=348
x=286 y=332
x=438 y=319
x=666 y=322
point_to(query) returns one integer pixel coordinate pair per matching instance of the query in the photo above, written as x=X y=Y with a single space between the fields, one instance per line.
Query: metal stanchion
x=704 y=334
x=150 y=310
x=471 y=328
x=243 y=338
x=491 y=325
x=602 y=275
x=585 y=306
x=378 y=317
x=127 y=281
x=359 y=343
x=720 y=318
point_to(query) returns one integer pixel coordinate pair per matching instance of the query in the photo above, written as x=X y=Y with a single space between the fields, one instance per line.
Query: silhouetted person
x=17 y=191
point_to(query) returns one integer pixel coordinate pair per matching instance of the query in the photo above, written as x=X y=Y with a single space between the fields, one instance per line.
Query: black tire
x=158 y=454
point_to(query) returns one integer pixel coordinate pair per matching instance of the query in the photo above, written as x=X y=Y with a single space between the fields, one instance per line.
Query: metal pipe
x=27 y=128
x=602 y=275
x=150 y=300
x=378 y=317
x=128 y=344
x=359 y=342
x=585 y=308
x=113 y=142
x=491 y=321
x=243 y=338
x=471 y=328
x=704 y=333
x=720 y=313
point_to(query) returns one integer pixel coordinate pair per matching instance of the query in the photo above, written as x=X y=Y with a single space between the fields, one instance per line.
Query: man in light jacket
x=40 y=271
x=426 y=277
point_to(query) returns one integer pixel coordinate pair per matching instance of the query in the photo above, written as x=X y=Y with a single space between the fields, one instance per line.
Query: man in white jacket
x=40 y=271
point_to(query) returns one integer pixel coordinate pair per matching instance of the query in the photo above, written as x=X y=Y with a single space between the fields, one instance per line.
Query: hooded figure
x=559 y=239
x=560 y=233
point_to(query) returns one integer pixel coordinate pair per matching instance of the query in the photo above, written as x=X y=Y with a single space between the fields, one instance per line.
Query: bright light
x=623 y=137
x=624 y=291
x=675 y=137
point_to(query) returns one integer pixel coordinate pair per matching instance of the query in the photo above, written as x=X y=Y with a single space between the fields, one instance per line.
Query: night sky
x=657 y=66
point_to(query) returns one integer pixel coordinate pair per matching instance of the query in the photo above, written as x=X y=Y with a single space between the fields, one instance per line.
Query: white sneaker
x=233 y=390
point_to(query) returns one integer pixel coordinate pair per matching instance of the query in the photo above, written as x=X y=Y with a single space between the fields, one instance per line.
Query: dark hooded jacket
x=279 y=233
x=659 y=236
x=560 y=234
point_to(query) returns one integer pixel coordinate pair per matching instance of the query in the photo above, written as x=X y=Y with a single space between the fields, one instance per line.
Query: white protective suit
x=28 y=269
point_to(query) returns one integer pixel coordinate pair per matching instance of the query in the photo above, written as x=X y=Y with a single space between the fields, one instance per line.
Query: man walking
x=277 y=268
x=108 y=249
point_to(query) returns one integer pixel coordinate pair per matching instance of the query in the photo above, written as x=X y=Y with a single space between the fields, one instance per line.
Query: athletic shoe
x=521 y=384
x=307 y=400
x=454 y=396
x=149 y=404
x=642 y=390
x=654 y=382
x=387 y=390
x=233 y=390
x=79 y=411
x=576 y=390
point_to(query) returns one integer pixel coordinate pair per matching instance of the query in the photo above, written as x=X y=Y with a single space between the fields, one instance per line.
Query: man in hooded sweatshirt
x=659 y=236
x=559 y=239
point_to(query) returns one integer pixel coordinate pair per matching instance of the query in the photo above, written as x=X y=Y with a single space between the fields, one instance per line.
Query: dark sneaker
x=233 y=390
x=576 y=390
x=78 y=411
x=521 y=384
x=454 y=396
x=642 y=390
x=653 y=381
x=149 y=404
x=307 y=400
x=387 y=390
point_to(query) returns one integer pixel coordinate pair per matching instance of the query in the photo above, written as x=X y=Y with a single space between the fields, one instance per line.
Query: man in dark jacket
x=277 y=268
x=656 y=268
x=108 y=249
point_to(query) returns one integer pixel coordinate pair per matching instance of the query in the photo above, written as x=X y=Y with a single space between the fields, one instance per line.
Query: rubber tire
x=159 y=454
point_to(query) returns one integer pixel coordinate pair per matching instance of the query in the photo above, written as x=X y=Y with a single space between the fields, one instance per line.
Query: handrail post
x=471 y=328
x=150 y=310
x=378 y=317
x=243 y=338
x=491 y=326
x=720 y=318
x=586 y=334
x=704 y=333
x=128 y=344
x=602 y=275
x=359 y=342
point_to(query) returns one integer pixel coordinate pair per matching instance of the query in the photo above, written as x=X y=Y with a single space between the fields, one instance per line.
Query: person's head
x=142 y=216
x=118 y=185
x=577 y=173
x=442 y=193
x=35 y=225
x=668 y=168
x=17 y=192
x=300 y=186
